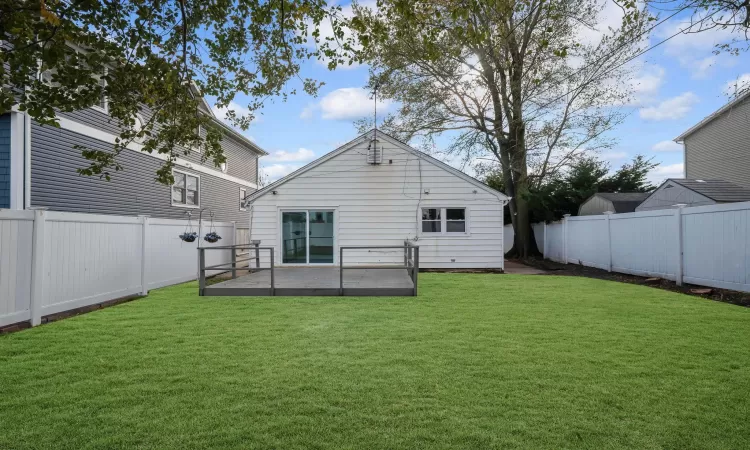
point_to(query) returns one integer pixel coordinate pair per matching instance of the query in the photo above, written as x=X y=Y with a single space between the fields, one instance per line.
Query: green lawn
x=476 y=361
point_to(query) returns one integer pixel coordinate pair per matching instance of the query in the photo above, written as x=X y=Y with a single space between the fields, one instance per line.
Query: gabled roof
x=623 y=202
x=390 y=139
x=713 y=116
x=717 y=190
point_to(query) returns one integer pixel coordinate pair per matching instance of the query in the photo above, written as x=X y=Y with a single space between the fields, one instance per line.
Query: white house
x=376 y=190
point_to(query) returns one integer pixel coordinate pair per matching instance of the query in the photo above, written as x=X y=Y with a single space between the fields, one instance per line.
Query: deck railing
x=233 y=265
x=411 y=261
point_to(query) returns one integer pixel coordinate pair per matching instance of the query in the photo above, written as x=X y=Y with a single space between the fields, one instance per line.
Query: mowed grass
x=476 y=361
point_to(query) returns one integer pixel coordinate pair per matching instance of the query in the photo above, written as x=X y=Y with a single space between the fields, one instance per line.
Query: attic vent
x=374 y=153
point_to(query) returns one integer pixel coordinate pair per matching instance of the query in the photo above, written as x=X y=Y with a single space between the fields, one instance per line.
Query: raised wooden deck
x=314 y=281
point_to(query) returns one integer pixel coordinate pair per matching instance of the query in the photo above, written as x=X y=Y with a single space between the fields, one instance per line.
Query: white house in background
x=675 y=192
x=376 y=190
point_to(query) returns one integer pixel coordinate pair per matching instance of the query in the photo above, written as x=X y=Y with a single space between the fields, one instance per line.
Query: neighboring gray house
x=38 y=169
x=675 y=192
x=602 y=202
x=718 y=147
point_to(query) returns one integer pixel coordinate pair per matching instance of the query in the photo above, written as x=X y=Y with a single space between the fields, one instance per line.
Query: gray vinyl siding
x=133 y=191
x=670 y=194
x=721 y=148
x=241 y=160
x=5 y=161
x=595 y=205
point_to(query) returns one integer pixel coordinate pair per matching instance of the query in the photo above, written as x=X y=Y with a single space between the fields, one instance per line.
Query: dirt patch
x=576 y=270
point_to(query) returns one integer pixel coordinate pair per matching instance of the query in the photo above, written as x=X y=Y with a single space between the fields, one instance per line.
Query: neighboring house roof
x=623 y=202
x=717 y=190
x=206 y=108
x=392 y=140
x=713 y=116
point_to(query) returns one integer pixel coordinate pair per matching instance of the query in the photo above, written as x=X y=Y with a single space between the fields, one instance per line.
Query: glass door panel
x=321 y=237
x=294 y=237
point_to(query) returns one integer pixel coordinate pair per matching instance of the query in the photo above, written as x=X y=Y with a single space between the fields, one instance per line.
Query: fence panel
x=89 y=259
x=553 y=241
x=645 y=243
x=587 y=241
x=171 y=260
x=704 y=245
x=716 y=246
x=16 y=230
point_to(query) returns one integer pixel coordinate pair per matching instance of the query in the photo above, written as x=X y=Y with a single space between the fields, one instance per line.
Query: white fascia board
x=77 y=127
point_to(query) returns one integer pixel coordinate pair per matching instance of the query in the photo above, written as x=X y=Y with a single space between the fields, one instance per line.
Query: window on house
x=444 y=220
x=224 y=167
x=186 y=190
x=103 y=102
x=431 y=220
x=243 y=194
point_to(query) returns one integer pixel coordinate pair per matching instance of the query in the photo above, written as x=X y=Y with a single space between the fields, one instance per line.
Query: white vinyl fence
x=52 y=262
x=704 y=245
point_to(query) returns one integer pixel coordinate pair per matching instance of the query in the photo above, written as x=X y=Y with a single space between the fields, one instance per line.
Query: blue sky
x=677 y=84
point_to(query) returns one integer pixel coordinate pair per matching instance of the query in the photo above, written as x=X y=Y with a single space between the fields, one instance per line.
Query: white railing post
x=565 y=238
x=144 y=254
x=678 y=234
x=38 y=253
x=544 y=242
x=234 y=233
x=607 y=215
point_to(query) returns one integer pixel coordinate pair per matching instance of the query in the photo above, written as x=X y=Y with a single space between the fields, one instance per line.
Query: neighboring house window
x=186 y=190
x=103 y=105
x=243 y=194
x=199 y=132
x=444 y=220
x=224 y=167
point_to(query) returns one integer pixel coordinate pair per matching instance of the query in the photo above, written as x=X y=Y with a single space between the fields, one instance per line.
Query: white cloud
x=670 y=109
x=667 y=146
x=610 y=17
x=647 y=84
x=302 y=154
x=614 y=156
x=661 y=173
x=275 y=171
x=693 y=49
x=326 y=32
x=345 y=104
x=733 y=86
x=221 y=113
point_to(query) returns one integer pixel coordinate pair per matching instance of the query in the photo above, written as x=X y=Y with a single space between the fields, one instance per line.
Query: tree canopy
x=159 y=57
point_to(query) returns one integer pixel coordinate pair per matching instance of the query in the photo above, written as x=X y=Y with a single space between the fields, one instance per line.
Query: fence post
x=273 y=278
x=415 y=270
x=257 y=255
x=144 y=254
x=201 y=270
x=341 y=270
x=679 y=266
x=607 y=215
x=544 y=242
x=565 y=238
x=406 y=253
x=37 y=267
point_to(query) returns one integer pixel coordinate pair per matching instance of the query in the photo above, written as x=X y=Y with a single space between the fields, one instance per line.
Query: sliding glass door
x=307 y=237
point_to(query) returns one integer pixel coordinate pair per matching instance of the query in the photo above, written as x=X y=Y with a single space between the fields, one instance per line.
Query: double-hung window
x=243 y=194
x=186 y=190
x=444 y=221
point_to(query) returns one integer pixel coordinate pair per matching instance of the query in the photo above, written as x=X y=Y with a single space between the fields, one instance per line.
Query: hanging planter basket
x=189 y=236
x=212 y=237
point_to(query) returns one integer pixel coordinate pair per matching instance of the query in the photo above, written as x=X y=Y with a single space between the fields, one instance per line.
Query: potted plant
x=212 y=237
x=189 y=236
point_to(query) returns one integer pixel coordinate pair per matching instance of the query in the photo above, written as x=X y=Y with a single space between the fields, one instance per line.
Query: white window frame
x=99 y=108
x=171 y=190
x=242 y=197
x=443 y=221
x=197 y=148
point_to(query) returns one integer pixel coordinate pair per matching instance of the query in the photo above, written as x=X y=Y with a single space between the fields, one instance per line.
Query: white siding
x=379 y=205
x=670 y=194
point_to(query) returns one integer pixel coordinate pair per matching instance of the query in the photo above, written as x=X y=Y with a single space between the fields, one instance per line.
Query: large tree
x=159 y=57
x=529 y=84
